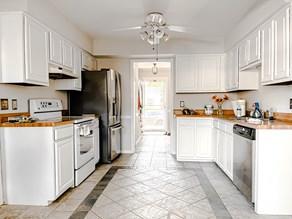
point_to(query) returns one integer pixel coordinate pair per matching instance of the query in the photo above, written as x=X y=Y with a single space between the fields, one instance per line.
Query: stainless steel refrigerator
x=101 y=94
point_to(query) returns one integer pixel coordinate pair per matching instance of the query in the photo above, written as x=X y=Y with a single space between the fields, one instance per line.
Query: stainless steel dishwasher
x=243 y=159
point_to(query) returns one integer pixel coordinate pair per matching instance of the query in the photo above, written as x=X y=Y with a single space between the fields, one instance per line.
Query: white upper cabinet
x=56 y=51
x=199 y=73
x=250 y=51
x=61 y=52
x=88 y=62
x=67 y=54
x=36 y=52
x=185 y=74
x=208 y=69
x=267 y=71
x=72 y=84
x=232 y=70
x=276 y=49
x=24 y=50
x=282 y=44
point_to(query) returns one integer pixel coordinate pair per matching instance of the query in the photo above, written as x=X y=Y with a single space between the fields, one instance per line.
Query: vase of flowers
x=219 y=101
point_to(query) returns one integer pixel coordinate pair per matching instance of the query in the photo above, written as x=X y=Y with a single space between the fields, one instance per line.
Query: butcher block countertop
x=36 y=124
x=4 y=123
x=284 y=122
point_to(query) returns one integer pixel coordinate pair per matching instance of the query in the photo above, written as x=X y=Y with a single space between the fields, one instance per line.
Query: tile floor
x=147 y=184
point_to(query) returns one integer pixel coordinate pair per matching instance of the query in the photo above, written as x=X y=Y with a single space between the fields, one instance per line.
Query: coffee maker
x=239 y=108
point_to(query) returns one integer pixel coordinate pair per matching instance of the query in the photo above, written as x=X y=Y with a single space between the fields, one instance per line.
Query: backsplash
x=24 y=93
x=198 y=101
x=276 y=97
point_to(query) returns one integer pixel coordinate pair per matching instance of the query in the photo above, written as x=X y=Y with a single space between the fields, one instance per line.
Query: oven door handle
x=116 y=128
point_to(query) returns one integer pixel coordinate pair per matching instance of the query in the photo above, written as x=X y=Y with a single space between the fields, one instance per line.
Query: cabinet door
x=64 y=165
x=67 y=54
x=254 y=47
x=186 y=140
x=185 y=73
x=221 y=150
x=208 y=68
x=232 y=69
x=267 y=73
x=36 y=45
x=229 y=155
x=204 y=135
x=56 y=52
x=282 y=44
x=77 y=68
x=243 y=54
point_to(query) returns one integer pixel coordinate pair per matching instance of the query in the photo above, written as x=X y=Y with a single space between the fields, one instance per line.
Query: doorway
x=152 y=101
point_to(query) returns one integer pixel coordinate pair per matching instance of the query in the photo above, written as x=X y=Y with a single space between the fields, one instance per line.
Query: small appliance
x=209 y=109
x=239 y=108
x=256 y=112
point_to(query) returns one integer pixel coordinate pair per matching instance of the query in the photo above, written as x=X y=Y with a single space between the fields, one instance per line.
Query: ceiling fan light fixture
x=155 y=69
x=144 y=35
x=159 y=33
x=165 y=37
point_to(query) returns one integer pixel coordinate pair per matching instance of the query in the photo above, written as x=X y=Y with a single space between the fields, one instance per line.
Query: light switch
x=182 y=104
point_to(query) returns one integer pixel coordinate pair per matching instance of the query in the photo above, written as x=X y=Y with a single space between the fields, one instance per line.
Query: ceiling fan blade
x=179 y=29
x=128 y=28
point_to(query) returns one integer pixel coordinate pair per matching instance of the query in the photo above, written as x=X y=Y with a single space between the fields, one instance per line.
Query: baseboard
x=127 y=152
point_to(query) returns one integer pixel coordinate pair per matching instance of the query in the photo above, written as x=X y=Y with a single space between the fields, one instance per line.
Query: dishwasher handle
x=245 y=132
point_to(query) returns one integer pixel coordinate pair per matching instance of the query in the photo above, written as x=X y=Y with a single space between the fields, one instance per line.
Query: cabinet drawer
x=204 y=122
x=63 y=132
x=186 y=122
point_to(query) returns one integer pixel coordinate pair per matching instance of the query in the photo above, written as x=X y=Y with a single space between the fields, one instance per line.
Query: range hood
x=57 y=72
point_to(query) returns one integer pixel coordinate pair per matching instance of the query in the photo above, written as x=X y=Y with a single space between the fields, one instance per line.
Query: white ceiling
x=209 y=19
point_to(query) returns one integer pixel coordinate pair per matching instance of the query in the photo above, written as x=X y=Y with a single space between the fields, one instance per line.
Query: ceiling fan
x=155 y=28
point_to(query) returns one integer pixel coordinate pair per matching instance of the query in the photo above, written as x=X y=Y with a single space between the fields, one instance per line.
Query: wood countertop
x=265 y=124
x=36 y=124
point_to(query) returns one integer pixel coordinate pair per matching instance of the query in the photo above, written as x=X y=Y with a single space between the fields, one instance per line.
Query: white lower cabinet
x=64 y=165
x=224 y=144
x=202 y=140
x=194 y=139
x=38 y=164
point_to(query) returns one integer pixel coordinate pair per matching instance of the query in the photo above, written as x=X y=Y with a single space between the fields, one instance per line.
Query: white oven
x=84 y=143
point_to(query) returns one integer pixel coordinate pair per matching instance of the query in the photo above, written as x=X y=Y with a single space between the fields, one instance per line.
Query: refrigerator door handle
x=119 y=95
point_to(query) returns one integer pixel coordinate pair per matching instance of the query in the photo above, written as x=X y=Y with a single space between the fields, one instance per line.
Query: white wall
x=276 y=97
x=198 y=101
x=23 y=93
x=126 y=48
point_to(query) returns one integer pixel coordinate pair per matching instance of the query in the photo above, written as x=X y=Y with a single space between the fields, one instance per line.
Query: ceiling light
x=159 y=33
x=165 y=37
x=144 y=35
x=155 y=69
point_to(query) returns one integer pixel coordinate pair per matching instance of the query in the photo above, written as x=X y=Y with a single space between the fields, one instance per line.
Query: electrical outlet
x=290 y=103
x=4 y=104
x=182 y=104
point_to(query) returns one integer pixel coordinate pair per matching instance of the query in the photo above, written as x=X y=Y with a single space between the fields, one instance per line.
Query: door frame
x=133 y=72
